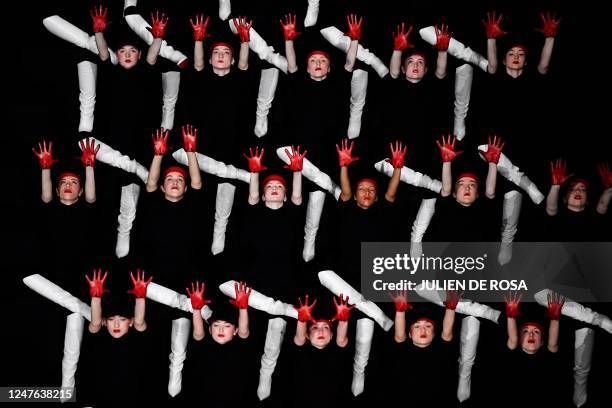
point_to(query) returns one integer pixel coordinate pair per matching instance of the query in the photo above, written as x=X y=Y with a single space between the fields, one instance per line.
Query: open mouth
x=116 y=331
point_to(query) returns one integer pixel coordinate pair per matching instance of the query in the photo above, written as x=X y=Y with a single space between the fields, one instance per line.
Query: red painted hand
x=605 y=174
x=96 y=283
x=45 y=155
x=555 y=305
x=493 y=150
x=558 y=172
x=452 y=299
x=442 y=37
x=243 y=27
x=160 y=142
x=199 y=27
x=447 y=148
x=190 y=137
x=289 y=28
x=354 y=27
x=513 y=301
x=197 y=296
x=492 y=25
x=98 y=17
x=305 y=310
x=401 y=40
x=345 y=154
x=140 y=285
x=343 y=310
x=255 y=160
x=89 y=151
x=550 y=24
x=400 y=298
x=297 y=159
x=159 y=22
x=398 y=153
x=242 y=296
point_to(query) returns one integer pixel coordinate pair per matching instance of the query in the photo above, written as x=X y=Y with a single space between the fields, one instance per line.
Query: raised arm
x=304 y=316
x=98 y=17
x=296 y=165
x=255 y=166
x=196 y=295
x=447 y=153
x=492 y=157
x=354 y=33
x=558 y=176
x=343 y=314
x=493 y=30
x=398 y=153
x=44 y=154
x=160 y=147
x=139 y=290
x=243 y=27
x=190 y=138
x=400 y=298
x=442 y=40
x=555 y=305
x=452 y=300
x=345 y=157
x=96 y=291
x=400 y=43
x=242 y=303
x=605 y=174
x=159 y=22
x=199 y=25
x=88 y=158
x=550 y=26
x=513 y=301
x=290 y=33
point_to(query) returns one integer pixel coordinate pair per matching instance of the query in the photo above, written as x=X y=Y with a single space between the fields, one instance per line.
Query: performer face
x=118 y=326
x=128 y=56
x=422 y=333
x=515 y=59
x=222 y=332
x=320 y=334
x=318 y=67
x=174 y=186
x=576 y=197
x=221 y=57
x=365 y=195
x=466 y=191
x=69 y=190
x=415 y=68
x=531 y=339
x=274 y=192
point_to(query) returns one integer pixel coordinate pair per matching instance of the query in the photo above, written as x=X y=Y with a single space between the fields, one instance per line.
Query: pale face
x=466 y=191
x=318 y=67
x=221 y=57
x=128 y=56
x=118 y=326
x=222 y=331
x=422 y=333
x=365 y=195
x=274 y=192
x=415 y=68
x=174 y=186
x=515 y=59
x=320 y=334
x=577 y=197
x=69 y=190
x=531 y=339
